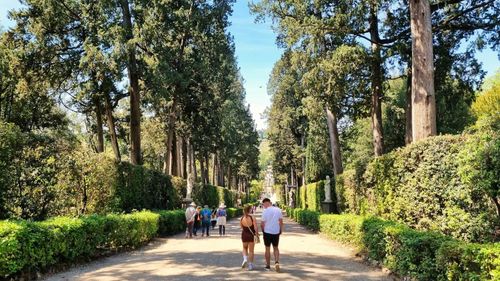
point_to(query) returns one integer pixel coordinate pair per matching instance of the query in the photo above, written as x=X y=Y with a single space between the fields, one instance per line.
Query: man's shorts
x=273 y=239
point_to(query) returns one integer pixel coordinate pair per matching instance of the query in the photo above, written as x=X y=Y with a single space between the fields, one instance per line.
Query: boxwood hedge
x=421 y=255
x=27 y=246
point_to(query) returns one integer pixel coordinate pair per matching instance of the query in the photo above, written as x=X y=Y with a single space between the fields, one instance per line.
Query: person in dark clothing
x=197 y=221
x=248 y=232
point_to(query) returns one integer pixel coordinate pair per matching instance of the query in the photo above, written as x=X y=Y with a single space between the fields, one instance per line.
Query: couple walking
x=272 y=227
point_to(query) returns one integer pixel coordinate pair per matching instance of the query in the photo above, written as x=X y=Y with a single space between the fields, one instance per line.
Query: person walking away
x=190 y=215
x=272 y=228
x=197 y=221
x=213 y=221
x=222 y=219
x=205 y=220
x=248 y=231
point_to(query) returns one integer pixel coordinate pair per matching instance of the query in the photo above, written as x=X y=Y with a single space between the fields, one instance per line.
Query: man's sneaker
x=277 y=267
x=267 y=268
x=250 y=267
x=244 y=264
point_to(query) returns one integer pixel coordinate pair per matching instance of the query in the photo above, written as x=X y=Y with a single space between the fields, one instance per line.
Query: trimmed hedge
x=171 y=222
x=234 y=212
x=27 y=246
x=311 y=196
x=213 y=196
x=422 y=255
x=443 y=183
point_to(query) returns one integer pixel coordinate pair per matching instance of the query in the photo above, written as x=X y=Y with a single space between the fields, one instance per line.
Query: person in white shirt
x=272 y=227
x=190 y=216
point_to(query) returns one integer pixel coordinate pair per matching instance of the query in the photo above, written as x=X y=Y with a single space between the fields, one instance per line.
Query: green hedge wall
x=213 y=196
x=33 y=246
x=311 y=196
x=140 y=188
x=421 y=255
x=234 y=212
x=444 y=183
x=171 y=222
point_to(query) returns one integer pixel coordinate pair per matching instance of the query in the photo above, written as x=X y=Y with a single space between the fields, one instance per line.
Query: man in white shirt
x=272 y=227
x=190 y=214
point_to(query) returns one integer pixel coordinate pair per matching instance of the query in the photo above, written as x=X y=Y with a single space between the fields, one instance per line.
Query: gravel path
x=304 y=256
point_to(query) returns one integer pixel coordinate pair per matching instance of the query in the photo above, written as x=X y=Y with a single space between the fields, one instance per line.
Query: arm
x=281 y=225
x=255 y=227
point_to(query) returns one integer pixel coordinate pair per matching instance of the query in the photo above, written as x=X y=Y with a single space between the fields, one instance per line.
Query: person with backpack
x=222 y=219
x=206 y=215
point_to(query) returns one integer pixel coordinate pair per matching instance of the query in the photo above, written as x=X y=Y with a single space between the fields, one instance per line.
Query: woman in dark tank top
x=248 y=230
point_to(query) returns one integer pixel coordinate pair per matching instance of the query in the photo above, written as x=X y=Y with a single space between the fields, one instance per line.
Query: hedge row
x=33 y=246
x=234 y=212
x=445 y=183
x=421 y=255
x=213 y=196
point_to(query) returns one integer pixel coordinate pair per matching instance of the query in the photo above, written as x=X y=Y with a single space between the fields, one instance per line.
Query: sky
x=256 y=52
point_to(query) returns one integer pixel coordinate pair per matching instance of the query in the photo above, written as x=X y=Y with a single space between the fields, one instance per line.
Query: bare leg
x=245 y=249
x=268 y=256
x=251 y=247
x=276 y=252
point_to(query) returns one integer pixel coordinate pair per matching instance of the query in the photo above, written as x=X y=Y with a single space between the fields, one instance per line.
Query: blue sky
x=257 y=52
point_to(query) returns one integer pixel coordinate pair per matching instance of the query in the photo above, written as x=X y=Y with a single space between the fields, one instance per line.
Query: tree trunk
x=376 y=85
x=135 y=97
x=172 y=118
x=408 y=135
x=214 y=169
x=189 y=168
x=179 y=157
x=423 y=97
x=111 y=126
x=207 y=165
x=229 y=175
x=202 y=169
x=99 y=129
x=302 y=145
x=185 y=157
x=334 y=141
x=193 y=163
x=173 y=160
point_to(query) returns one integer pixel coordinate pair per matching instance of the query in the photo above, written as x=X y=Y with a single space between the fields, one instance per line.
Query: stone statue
x=328 y=190
x=292 y=199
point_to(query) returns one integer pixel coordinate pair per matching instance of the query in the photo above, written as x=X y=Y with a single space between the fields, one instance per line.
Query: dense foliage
x=33 y=246
x=67 y=132
x=417 y=254
x=447 y=184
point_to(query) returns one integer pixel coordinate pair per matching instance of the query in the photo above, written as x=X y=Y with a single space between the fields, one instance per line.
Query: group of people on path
x=205 y=218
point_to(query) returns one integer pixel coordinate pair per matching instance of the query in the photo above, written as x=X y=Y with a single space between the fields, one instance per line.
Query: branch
x=444 y=3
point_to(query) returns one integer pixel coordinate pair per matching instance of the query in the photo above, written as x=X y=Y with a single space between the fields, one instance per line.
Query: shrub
x=421 y=255
x=171 y=222
x=94 y=183
x=234 y=212
x=213 y=196
x=305 y=217
x=444 y=183
x=315 y=194
x=32 y=246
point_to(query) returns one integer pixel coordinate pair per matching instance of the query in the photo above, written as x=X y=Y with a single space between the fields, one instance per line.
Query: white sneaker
x=277 y=267
x=250 y=267
x=244 y=264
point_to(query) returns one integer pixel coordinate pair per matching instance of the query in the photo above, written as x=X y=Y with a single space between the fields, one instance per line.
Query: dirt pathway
x=305 y=256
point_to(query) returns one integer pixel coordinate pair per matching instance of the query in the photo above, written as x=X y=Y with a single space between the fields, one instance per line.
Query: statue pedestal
x=327 y=207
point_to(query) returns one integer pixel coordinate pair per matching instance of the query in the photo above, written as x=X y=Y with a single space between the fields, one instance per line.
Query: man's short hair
x=266 y=200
